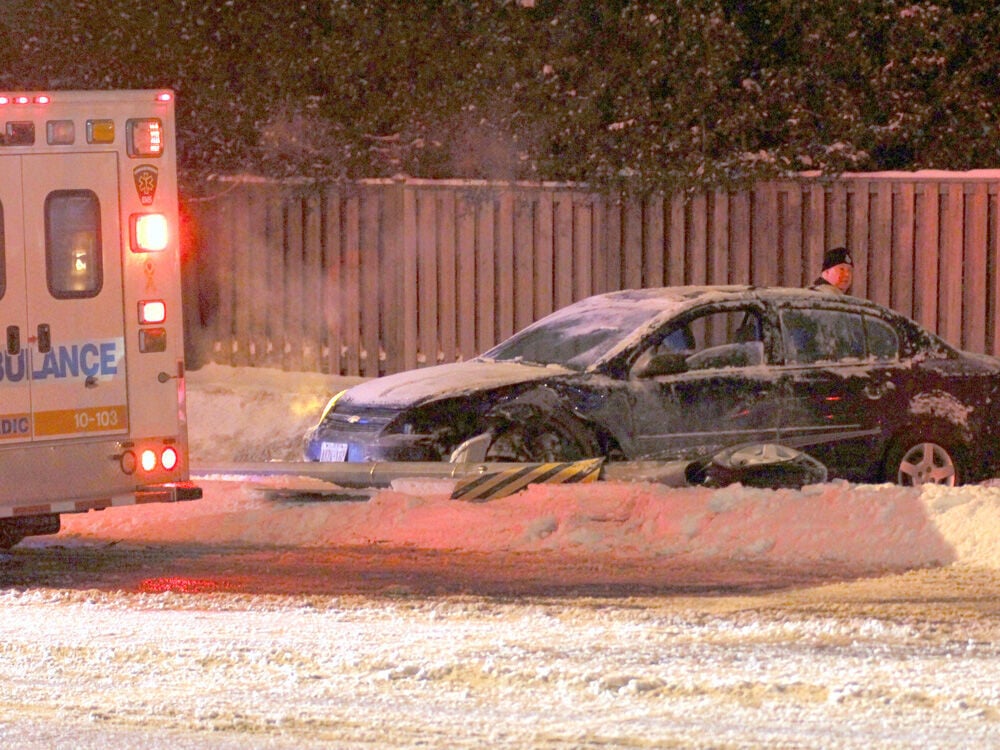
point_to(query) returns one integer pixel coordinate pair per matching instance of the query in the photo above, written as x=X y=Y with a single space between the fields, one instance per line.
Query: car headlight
x=330 y=404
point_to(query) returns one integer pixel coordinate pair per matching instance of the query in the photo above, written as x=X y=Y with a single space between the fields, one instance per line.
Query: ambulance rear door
x=74 y=326
x=15 y=389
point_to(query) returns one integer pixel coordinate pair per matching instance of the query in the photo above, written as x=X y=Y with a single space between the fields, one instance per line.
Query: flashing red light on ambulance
x=149 y=232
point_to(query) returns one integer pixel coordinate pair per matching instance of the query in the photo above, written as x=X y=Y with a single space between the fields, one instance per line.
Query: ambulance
x=92 y=407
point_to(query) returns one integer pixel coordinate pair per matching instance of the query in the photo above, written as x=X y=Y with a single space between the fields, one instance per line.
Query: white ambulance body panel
x=92 y=409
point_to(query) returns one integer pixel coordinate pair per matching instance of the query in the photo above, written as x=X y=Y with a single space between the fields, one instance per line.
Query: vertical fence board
x=543 y=255
x=698 y=240
x=583 y=239
x=739 y=247
x=615 y=278
x=925 y=259
x=524 y=271
x=485 y=274
x=222 y=253
x=880 y=258
x=901 y=294
x=815 y=229
x=836 y=226
x=257 y=290
x=332 y=295
x=974 y=288
x=993 y=325
x=241 y=205
x=370 y=290
x=859 y=204
x=351 y=306
x=632 y=240
x=427 y=277
x=599 y=245
x=676 y=236
x=765 y=260
x=562 y=282
x=402 y=266
x=950 y=293
x=465 y=290
x=448 y=281
x=719 y=242
x=790 y=233
x=312 y=299
x=291 y=356
x=658 y=249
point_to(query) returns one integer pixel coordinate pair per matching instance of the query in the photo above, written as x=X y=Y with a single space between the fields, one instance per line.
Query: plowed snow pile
x=241 y=414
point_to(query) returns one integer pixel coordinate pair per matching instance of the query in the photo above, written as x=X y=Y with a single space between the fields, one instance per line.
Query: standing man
x=837 y=273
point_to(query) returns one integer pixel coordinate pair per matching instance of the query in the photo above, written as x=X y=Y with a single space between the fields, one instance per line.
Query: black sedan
x=683 y=372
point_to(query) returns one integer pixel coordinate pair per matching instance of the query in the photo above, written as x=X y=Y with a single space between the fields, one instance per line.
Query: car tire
x=925 y=457
x=764 y=465
x=527 y=435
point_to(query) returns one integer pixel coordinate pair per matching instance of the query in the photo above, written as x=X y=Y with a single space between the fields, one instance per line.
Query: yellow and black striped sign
x=507 y=482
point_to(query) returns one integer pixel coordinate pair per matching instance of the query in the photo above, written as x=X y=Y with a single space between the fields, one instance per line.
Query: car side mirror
x=667 y=363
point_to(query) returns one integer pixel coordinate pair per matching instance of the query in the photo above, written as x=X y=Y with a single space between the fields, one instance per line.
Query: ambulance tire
x=10 y=534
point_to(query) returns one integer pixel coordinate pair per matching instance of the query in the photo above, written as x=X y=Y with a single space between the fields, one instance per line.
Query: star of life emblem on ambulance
x=145 y=183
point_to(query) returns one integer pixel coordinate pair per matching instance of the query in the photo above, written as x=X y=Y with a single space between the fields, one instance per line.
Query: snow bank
x=259 y=415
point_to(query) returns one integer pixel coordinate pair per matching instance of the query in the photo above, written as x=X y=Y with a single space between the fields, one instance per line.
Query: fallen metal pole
x=382 y=474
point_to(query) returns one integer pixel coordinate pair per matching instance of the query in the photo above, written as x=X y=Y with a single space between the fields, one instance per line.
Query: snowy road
x=904 y=660
x=608 y=616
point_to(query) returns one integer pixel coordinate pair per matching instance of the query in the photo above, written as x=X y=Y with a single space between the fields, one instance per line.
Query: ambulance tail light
x=148 y=233
x=167 y=459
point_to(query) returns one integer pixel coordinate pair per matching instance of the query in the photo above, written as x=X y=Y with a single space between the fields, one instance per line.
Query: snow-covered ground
x=898 y=645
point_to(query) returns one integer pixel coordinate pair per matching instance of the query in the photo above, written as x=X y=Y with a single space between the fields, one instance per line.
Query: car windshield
x=579 y=335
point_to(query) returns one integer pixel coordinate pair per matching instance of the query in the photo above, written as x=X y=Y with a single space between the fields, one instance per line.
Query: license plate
x=332 y=451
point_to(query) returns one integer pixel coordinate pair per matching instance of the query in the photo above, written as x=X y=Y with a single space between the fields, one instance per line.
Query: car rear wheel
x=923 y=459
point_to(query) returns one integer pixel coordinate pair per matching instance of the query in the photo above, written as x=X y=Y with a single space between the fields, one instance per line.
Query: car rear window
x=883 y=343
x=822 y=336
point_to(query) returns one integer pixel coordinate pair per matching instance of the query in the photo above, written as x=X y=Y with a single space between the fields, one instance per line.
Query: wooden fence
x=381 y=276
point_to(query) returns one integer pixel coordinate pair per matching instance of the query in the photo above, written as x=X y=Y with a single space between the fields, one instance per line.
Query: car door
x=845 y=382
x=720 y=392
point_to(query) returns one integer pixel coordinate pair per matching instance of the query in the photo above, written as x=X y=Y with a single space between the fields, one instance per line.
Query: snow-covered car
x=684 y=372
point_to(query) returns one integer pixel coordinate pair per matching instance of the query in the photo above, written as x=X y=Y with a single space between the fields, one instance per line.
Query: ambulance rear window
x=73 y=243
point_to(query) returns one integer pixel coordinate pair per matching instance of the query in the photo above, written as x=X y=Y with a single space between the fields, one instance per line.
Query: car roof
x=681 y=297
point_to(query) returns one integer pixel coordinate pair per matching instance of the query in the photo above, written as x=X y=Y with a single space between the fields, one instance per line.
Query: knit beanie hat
x=835 y=256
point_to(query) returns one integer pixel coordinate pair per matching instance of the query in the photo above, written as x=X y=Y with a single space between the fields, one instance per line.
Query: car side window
x=883 y=342
x=717 y=339
x=812 y=336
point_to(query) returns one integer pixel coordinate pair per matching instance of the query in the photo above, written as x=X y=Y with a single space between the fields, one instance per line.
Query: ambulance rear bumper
x=170 y=492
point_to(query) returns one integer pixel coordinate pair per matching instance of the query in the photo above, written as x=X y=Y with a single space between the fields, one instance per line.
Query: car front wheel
x=540 y=438
x=920 y=460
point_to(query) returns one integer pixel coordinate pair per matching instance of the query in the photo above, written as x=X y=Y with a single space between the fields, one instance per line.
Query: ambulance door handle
x=44 y=338
x=13 y=340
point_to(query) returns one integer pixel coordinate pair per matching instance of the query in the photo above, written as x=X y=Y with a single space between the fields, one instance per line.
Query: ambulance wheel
x=10 y=534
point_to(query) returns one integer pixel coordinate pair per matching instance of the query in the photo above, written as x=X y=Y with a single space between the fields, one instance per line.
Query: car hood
x=443 y=381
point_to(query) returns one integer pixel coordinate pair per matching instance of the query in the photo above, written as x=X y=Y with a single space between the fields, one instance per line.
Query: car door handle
x=13 y=340
x=875 y=391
